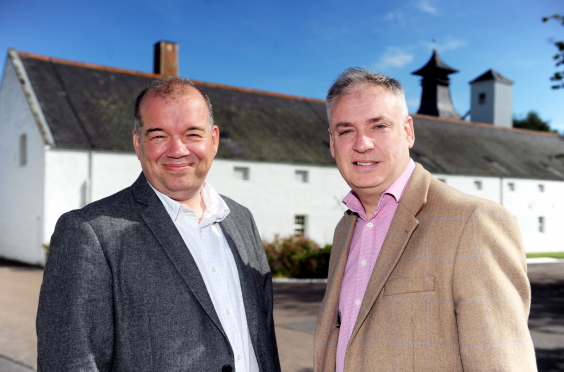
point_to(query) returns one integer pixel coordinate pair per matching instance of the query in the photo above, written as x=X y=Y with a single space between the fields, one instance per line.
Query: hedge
x=297 y=257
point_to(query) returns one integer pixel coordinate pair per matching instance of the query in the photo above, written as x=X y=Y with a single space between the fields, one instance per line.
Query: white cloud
x=425 y=6
x=393 y=57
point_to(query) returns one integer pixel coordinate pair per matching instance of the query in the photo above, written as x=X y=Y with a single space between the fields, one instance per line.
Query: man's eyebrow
x=343 y=124
x=196 y=128
x=153 y=130
x=162 y=130
x=376 y=120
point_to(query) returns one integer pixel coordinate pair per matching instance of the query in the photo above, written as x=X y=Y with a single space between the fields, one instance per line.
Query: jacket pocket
x=409 y=285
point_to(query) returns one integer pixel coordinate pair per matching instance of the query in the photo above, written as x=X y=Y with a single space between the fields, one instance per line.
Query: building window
x=23 y=150
x=541 y=188
x=511 y=186
x=241 y=173
x=482 y=98
x=478 y=185
x=541 y=224
x=301 y=176
x=300 y=225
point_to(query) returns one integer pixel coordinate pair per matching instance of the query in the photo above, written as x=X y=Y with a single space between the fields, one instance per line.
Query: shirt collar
x=216 y=208
x=395 y=190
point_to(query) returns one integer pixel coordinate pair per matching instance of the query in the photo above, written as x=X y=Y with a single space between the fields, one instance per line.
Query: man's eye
x=345 y=132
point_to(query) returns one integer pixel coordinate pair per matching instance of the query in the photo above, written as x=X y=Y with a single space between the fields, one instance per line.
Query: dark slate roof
x=91 y=107
x=492 y=75
x=435 y=66
x=461 y=148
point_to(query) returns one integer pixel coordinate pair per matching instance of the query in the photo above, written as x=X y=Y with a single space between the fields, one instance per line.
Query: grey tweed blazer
x=121 y=292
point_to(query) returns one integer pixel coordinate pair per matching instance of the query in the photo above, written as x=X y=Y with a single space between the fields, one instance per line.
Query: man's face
x=370 y=139
x=176 y=147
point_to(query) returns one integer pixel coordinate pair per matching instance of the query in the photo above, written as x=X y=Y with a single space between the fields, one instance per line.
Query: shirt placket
x=218 y=263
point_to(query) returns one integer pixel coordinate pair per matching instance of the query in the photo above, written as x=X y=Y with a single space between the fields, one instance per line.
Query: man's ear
x=331 y=145
x=409 y=132
x=136 y=143
x=215 y=138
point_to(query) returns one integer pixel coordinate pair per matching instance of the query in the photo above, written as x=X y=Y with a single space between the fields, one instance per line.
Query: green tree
x=558 y=76
x=531 y=121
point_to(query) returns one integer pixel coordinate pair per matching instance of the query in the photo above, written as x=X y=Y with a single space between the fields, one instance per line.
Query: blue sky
x=299 y=47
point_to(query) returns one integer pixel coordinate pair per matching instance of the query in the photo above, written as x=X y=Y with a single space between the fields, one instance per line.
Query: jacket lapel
x=249 y=288
x=325 y=331
x=403 y=225
x=162 y=227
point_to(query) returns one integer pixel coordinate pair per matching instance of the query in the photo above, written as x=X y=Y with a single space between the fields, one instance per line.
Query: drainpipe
x=89 y=182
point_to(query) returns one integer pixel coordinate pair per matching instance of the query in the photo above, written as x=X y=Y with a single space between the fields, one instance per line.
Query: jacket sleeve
x=75 y=315
x=491 y=293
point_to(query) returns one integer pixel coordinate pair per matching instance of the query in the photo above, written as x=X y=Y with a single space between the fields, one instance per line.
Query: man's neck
x=369 y=203
x=196 y=204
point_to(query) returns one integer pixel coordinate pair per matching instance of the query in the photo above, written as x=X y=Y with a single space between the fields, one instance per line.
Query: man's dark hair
x=168 y=87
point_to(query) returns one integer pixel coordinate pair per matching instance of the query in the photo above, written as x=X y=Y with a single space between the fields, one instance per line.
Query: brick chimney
x=166 y=58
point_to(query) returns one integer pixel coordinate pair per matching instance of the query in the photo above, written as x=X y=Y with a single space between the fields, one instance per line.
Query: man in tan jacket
x=422 y=276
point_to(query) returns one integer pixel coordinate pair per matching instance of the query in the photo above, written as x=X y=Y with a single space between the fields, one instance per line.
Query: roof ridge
x=485 y=125
x=156 y=76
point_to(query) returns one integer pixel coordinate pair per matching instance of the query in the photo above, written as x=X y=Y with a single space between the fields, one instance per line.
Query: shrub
x=297 y=257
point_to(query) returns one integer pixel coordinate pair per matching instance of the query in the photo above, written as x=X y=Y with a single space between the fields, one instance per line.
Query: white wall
x=527 y=203
x=112 y=172
x=75 y=178
x=274 y=196
x=503 y=115
x=21 y=187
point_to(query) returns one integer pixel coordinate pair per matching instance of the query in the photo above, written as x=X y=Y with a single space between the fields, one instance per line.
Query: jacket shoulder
x=119 y=205
x=235 y=207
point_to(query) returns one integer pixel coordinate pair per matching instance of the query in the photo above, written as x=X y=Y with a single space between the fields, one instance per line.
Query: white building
x=67 y=141
x=491 y=98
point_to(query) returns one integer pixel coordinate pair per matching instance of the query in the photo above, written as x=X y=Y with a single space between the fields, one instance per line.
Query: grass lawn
x=549 y=254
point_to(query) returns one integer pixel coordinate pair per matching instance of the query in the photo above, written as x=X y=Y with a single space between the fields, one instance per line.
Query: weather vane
x=435 y=43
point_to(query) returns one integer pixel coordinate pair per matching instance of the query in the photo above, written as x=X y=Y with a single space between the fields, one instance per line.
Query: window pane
x=23 y=150
x=241 y=173
x=301 y=176
x=299 y=225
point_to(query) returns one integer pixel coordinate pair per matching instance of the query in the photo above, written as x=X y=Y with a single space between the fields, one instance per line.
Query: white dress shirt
x=214 y=258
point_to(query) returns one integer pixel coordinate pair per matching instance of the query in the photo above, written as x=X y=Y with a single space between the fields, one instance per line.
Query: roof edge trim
x=485 y=125
x=32 y=100
x=157 y=76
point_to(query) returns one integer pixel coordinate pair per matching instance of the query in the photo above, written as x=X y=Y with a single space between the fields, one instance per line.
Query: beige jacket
x=449 y=291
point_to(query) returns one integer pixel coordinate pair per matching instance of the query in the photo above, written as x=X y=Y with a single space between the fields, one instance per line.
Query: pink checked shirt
x=369 y=234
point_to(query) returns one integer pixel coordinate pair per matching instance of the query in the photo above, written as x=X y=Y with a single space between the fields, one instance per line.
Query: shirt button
x=227 y=311
x=363 y=262
x=357 y=302
x=239 y=357
x=213 y=269
x=369 y=224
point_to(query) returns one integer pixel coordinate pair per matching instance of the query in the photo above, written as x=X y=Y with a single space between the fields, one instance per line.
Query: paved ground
x=295 y=311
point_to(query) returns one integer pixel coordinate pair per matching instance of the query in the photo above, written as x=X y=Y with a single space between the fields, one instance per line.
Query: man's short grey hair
x=348 y=81
x=168 y=87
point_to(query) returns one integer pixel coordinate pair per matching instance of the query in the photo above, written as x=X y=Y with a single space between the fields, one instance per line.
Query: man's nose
x=363 y=143
x=177 y=148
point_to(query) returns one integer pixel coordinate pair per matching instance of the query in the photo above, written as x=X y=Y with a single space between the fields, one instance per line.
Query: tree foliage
x=558 y=76
x=531 y=121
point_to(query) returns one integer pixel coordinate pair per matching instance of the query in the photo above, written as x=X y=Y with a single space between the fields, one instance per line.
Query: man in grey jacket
x=165 y=275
